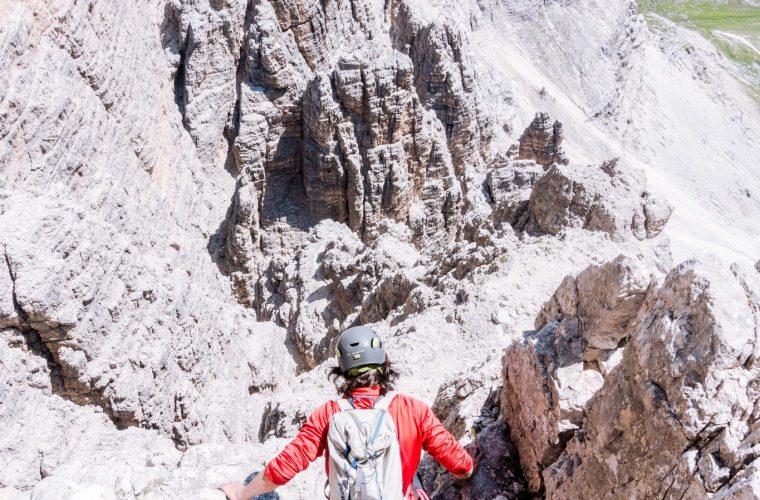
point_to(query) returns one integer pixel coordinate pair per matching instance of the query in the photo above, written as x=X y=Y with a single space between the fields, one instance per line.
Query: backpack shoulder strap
x=344 y=404
x=383 y=402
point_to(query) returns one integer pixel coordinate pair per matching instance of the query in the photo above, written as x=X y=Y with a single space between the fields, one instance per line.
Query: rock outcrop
x=612 y=199
x=341 y=118
x=468 y=402
x=675 y=367
x=541 y=142
x=578 y=340
x=677 y=416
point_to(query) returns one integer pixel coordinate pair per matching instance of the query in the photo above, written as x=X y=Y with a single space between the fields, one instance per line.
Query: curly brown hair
x=384 y=377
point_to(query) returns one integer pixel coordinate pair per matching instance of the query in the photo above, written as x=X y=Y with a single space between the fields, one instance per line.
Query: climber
x=367 y=456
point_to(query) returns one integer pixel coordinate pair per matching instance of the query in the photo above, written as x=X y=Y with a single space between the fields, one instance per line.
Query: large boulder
x=612 y=199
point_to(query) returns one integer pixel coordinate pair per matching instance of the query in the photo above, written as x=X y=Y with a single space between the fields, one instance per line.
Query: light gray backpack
x=365 y=458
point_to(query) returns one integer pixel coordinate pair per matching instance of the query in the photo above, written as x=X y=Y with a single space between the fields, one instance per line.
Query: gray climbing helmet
x=359 y=350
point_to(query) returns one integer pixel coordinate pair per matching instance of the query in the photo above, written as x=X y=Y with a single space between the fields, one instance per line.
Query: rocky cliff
x=196 y=197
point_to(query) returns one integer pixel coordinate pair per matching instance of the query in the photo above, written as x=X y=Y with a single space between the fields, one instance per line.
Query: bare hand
x=233 y=490
x=477 y=454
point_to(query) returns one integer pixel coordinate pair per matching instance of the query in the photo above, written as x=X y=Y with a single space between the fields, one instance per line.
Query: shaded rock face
x=498 y=476
x=445 y=80
x=647 y=390
x=577 y=341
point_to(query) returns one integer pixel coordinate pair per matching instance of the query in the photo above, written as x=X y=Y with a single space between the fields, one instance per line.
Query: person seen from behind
x=372 y=438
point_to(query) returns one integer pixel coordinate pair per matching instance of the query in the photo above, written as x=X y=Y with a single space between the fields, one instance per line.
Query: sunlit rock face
x=196 y=197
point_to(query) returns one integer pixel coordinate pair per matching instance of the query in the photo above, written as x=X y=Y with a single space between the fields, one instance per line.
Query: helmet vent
x=355 y=344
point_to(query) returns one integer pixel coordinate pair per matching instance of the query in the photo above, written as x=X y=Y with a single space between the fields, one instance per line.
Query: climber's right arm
x=258 y=486
x=444 y=447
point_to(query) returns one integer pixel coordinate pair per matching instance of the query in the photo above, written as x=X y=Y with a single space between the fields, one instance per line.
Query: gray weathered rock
x=375 y=153
x=611 y=199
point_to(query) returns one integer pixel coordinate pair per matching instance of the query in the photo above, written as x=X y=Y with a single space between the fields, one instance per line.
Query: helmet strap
x=359 y=370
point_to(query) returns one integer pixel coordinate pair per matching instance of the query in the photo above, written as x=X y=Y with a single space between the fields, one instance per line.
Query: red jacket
x=417 y=428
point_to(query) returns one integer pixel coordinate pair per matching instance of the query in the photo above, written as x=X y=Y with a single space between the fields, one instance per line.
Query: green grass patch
x=732 y=26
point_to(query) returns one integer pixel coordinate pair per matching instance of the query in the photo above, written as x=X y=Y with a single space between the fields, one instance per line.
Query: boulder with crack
x=678 y=416
x=550 y=375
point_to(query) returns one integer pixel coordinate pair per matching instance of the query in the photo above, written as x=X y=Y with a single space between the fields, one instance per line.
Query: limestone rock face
x=541 y=142
x=106 y=209
x=676 y=416
x=510 y=186
x=610 y=199
x=376 y=153
x=575 y=345
x=354 y=138
x=445 y=79
x=202 y=41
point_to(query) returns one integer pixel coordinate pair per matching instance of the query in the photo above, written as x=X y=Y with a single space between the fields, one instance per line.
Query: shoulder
x=325 y=411
x=408 y=402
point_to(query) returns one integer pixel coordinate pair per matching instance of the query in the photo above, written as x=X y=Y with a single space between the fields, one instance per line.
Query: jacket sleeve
x=442 y=446
x=308 y=444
